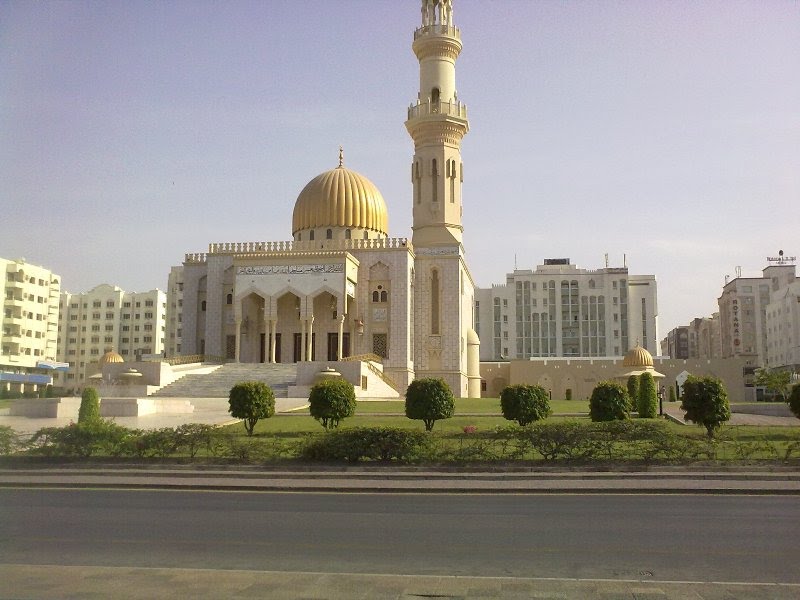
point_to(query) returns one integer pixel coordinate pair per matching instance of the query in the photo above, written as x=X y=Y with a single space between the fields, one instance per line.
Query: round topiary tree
x=705 y=402
x=332 y=400
x=525 y=403
x=794 y=400
x=609 y=402
x=647 y=401
x=633 y=390
x=429 y=400
x=251 y=401
x=89 y=411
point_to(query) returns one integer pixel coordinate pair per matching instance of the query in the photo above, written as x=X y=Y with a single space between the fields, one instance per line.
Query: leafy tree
x=647 y=401
x=794 y=400
x=332 y=400
x=776 y=381
x=429 y=400
x=705 y=402
x=525 y=403
x=609 y=402
x=633 y=390
x=90 y=406
x=672 y=396
x=251 y=401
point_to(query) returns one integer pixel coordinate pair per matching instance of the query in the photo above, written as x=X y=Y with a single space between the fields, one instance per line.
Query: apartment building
x=29 y=325
x=559 y=309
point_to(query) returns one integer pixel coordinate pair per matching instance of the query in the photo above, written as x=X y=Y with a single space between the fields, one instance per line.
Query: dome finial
x=341 y=157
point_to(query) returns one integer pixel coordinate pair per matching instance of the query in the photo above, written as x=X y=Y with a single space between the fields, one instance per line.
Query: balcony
x=448 y=109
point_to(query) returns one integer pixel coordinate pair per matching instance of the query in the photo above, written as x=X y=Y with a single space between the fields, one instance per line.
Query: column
x=302 y=339
x=274 y=327
x=341 y=340
x=310 y=342
x=264 y=352
x=238 y=337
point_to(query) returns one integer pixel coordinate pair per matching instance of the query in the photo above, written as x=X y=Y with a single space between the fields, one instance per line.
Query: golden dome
x=638 y=357
x=340 y=198
x=110 y=357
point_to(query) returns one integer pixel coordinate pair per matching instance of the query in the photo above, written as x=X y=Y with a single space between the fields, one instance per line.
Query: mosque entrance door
x=298 y=346
x=333 y=345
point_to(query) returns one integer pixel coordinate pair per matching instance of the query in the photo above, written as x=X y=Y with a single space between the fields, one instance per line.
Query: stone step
x=219 y=383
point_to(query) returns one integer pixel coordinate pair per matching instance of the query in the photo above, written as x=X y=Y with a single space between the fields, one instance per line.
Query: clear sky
x=134 y=132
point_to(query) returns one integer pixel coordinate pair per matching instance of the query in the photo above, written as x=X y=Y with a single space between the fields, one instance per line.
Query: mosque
x=341 y=288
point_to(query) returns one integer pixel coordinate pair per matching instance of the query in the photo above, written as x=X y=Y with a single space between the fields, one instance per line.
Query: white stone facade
x=561 y=310
x=783 y=327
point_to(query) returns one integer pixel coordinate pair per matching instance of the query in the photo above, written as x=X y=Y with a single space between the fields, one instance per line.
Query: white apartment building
x=29 y=323
x=743 y=312
x=108 y=318
x=561 y=310
x=783 y=323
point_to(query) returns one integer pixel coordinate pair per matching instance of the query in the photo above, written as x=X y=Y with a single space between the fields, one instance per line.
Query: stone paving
x=47 y=582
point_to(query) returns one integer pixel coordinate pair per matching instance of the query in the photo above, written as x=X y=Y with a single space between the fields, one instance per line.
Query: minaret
x=437 y=122
x=445 y=344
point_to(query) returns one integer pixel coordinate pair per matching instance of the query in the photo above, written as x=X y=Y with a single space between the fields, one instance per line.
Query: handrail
x=194 y=358
x=368 y=357
x=382 y=376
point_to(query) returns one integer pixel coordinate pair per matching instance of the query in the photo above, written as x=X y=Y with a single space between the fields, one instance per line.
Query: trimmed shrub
x=633 y=390
x=90 y=406
x=332 y=400
x=609 y=402
x=367 y=443
x=191 y=437
x=672 y=396
x=794 y=400
x=83 y=439
x=647 y=400
x=525 y=403
x=705 y=402
x=9 y=441
x=251 y=401
x=429 y=400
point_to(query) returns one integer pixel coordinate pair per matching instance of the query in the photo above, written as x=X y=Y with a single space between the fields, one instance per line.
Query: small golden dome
x=638 y=357
x=340 y=198
x=110 y=357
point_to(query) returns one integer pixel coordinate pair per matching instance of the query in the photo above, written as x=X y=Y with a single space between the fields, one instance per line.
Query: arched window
x=203 y=306
x=329 y=234
x=435 y=95
x=435 y=180
x=375 y=296
x=311 y=235
x=229 y=299
x=384 y=296
x=366 y=235
x=435 y=302
x=347 y=234
x=299 y=237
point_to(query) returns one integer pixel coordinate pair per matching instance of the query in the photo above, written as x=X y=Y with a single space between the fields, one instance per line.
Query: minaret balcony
x=426 y=109
x=443 y=30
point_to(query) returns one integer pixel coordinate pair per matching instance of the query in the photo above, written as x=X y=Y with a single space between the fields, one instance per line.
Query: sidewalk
x=50 y=582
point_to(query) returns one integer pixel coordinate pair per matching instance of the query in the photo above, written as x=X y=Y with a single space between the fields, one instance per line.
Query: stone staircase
x=218 y=384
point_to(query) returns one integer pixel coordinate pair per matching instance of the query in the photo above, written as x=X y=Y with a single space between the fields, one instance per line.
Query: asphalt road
x=666 y=537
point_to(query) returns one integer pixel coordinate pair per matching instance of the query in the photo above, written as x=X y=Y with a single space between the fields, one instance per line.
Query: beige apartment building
x=29 y=325
x=701 y=338
x=743 y=312
x=108 y=318
x=560 y=310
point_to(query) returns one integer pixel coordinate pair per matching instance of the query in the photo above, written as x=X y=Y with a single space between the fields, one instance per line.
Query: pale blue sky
x=134 y=132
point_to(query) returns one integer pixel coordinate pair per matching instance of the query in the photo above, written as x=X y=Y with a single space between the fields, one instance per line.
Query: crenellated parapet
x=262 y=248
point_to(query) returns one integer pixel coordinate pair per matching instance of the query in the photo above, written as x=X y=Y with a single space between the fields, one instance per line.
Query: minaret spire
x=341 y=157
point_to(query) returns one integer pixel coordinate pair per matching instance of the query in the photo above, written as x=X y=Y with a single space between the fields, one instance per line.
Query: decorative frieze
x=290 y=269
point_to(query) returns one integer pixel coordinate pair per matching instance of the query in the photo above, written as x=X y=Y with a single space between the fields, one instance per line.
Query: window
x=148 y=303
x=380 y=345
x=109 y=304
x=203 y=306
x=329 y=234
x=229 y=299
x=311 y=235
x=109 y=315
x=347 y=234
